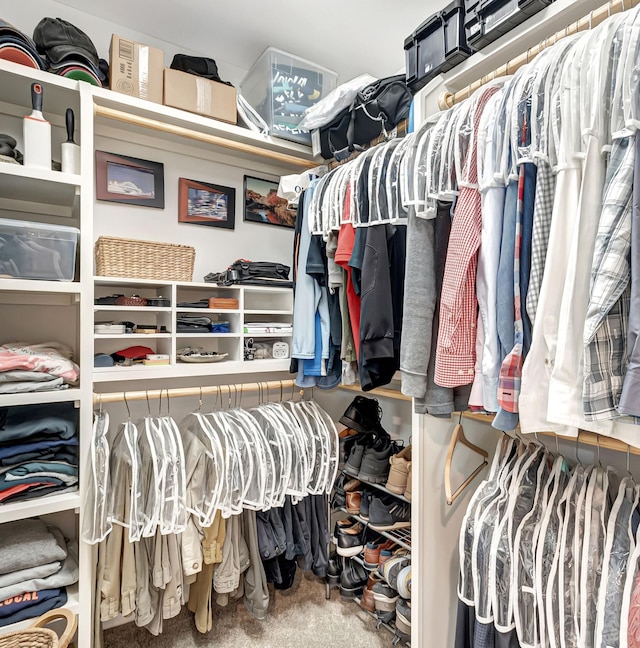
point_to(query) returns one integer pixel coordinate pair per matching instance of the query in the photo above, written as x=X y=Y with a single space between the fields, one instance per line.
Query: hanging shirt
x=455 y=356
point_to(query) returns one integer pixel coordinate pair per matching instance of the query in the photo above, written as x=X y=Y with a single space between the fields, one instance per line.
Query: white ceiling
x=348 y=36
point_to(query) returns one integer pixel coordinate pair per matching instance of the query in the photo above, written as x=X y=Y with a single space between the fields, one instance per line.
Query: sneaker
x=403 y=616
x=385 y=597
x=407 y=490
x=404 y=582
x=387 y=517
x=352 y=467
x=339 y=499
x=364 y=504
x=385 y=554
x=386 y=617
x=372 y=553
x=353 y=502
x=351 y=541
x=367 y=602
x=393 y=567
x=352 y=580
x=363 y=414
x=340 y=526
x=374 y=466
x=399 y=471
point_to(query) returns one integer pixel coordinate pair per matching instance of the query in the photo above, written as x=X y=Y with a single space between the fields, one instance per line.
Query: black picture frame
x=203 y=203
x=129 y=181
x=262 y=205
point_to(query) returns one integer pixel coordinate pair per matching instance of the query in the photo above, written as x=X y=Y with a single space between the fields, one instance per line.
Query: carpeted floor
x=299 y=618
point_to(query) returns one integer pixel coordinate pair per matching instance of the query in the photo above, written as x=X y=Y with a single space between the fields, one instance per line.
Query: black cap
x=61 y=40
x=198 y=65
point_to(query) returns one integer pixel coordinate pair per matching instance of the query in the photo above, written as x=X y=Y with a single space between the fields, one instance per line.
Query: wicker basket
x=39 y=637
x=120 y=257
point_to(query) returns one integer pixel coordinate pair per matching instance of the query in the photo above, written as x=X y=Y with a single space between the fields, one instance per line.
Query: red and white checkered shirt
x=456 y=350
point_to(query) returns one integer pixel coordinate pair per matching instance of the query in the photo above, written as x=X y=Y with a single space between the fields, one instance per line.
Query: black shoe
x=374 y=466
x=385 y=598
x=350 y=540
x=339 y=499
x=364 y=504
x=386 y=516
x=340 y=526
x=353 y=579
x=352 y=467
x=334 y=570
x=363 y=414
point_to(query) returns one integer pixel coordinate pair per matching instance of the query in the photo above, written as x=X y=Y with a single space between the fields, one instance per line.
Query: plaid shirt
x=542 y=213
x=605 y=332
x=456 y=350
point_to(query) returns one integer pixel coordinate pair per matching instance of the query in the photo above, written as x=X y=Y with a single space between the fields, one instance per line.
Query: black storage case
x=438 y=45
x=487 y=20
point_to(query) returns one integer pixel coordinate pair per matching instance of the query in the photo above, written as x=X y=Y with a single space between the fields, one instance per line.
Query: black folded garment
x=203 y=303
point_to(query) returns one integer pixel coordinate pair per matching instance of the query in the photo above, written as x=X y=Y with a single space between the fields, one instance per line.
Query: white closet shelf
x=207 y=336
x=33 y=398
x=267 y=335
x=39 y=506
x=134 y=336
x=187 y=370
x=133 y=309
x=131 y=283
x=222 y=311
x=72 y=604
x=42 y=287
x=33 y=185
x=267 y=312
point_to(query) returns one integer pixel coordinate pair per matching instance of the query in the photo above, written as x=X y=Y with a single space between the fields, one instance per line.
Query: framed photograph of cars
x=263 y=205
x=129 y=180
x=202 y=203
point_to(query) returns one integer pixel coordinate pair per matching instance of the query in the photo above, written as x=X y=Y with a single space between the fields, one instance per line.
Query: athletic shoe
x=404 y=582
x=365 y=500
x=385 y=597
x=350 y=540
x=393 y=567
x=374 y=467
x=399 y=471
x=385 y=554
x=352 y=467
x=372 y=553
x=387 y=517
x=407 y=491
x=367 y=602
x=352 y=580
x=386 y=617
x=341 y=525
x=403 y=616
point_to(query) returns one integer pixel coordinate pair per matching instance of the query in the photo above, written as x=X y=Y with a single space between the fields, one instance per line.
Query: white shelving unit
x=54 y=197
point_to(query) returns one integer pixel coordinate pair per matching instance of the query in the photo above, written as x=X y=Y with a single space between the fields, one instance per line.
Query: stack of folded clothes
x=37 y=564
x=18 y=47
x=69 y=52
x=38 y=451
x=36 y=367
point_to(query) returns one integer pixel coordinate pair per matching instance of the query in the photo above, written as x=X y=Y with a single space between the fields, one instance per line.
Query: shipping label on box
x=136 y=69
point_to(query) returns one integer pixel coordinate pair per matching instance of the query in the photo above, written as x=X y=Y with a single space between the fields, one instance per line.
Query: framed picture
x=201 y=203
x=262 y=204
x=129 y=180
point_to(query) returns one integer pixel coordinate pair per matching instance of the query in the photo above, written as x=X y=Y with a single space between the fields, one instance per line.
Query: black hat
x=61 y=40
x=198 y=65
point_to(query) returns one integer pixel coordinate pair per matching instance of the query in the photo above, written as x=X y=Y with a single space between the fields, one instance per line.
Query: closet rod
x=586 y=438
x=215 y=140
x=594 y=18
x=269 y=387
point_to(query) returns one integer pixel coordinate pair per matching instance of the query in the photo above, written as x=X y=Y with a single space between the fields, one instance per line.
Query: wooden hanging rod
x=214 y=140
x=587 y=438
x=594 y=18
x=268 y=387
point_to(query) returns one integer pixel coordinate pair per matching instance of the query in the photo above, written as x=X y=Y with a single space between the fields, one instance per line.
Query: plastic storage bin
x=438 y=45
x=37 y=251
x=281 y=86
x=490 y=19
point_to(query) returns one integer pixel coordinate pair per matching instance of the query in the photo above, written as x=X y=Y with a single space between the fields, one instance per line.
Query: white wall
x=26 y=14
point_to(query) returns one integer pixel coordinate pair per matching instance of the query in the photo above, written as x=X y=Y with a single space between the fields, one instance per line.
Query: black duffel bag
x=255 y=273
x=377 y=109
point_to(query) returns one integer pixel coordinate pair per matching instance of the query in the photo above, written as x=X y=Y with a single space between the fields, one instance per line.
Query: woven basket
x=38 y=637
x=120 y=257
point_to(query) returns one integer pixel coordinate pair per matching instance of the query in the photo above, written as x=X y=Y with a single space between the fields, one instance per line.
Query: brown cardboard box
x=198 y=95
x=136 y=69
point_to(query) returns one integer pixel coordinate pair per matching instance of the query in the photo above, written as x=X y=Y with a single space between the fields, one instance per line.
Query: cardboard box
x=136 y=69
x=198 y=95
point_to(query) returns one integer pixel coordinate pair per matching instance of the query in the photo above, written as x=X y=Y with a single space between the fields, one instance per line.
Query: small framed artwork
x=263 y=205
x=129 y=180
x=201 y=203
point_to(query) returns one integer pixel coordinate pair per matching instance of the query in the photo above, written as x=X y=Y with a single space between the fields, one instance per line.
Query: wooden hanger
x=456 y=438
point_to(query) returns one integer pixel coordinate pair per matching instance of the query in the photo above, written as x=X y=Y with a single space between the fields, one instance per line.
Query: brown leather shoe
x=367 y=602
x=352 y=485
x=353 y=502
x=373 y=579
x=371 y=555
